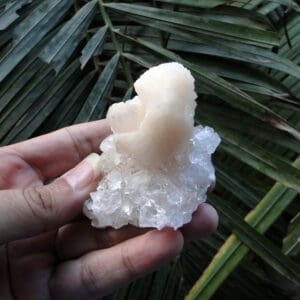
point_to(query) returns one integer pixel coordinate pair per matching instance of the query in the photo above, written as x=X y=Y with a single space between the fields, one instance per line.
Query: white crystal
x=159 y=197
x=165 y=185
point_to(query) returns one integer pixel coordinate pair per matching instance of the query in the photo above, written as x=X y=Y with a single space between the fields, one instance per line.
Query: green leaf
x=142 y=61
x=217 y=86
x=233 y=250
x=37 y=113
x=19 y=106
x=215 y=25
x=9 y=15
x=228 y=69
x=260 y=159
x=67 y=111
x=5 y=37
x=31 y=30
x=96 y=103
x=62 y=46
x=236 y=186
x=197 y=3
x=128 y=94
x=20 y=78
x=3 y=3
x=254 y=89
x=214 y=114
x=94 y=46
x=204 y=44
x=268 y=6
x=256 y=55
x=257 y=242
x=10 y=88
x=289 y=3
x=291 y=243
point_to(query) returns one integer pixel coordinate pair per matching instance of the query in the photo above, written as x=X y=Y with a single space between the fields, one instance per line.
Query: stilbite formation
x=157 y=166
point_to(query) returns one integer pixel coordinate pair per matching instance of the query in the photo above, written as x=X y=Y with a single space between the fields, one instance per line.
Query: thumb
x=27 y=212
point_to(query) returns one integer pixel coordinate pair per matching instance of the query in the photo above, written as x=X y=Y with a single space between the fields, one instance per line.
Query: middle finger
x=76 y=239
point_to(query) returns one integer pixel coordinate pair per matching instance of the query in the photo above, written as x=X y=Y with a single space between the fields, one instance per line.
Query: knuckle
x=40 y=202
x=127 y=263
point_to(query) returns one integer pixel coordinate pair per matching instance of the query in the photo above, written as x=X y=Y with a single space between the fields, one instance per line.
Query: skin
x=47 y=249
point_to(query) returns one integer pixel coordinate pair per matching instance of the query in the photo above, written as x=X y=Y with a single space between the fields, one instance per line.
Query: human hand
x=46 y=251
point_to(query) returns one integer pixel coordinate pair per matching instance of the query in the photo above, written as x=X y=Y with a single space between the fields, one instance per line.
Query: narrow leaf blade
x=95 y=105
x=94 y=46
x=61 y=47
x=31 y=30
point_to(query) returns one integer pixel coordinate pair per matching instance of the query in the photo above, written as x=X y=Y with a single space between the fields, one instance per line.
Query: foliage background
x=66 y=61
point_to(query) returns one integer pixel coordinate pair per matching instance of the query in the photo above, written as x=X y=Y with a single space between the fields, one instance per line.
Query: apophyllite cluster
x=157 y=166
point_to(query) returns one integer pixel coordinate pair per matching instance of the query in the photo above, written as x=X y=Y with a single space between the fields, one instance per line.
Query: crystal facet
x=162 y=187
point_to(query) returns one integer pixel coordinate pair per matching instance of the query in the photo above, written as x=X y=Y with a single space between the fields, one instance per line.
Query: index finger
x=55 y=153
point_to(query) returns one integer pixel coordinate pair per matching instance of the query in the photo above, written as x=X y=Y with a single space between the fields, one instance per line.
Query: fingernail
x=85 y=173
x=94 y=161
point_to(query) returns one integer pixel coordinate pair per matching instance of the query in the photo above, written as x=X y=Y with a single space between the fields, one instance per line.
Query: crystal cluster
x=157 y=167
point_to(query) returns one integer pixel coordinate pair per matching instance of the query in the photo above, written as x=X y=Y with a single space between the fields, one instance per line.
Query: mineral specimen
x=157 y=167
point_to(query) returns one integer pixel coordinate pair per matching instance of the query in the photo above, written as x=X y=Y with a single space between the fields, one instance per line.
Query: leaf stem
x=116 y=44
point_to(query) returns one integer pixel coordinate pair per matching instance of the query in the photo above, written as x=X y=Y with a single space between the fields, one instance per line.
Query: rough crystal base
x=160 y=197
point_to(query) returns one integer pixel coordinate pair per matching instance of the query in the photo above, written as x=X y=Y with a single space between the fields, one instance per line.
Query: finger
x=16 y=173
x=74 y=240
x=33 y=210
x=102 y=271
x=204 y=222
x=55 y=153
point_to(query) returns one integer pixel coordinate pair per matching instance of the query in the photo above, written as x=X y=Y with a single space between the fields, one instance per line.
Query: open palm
x=47 y=249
